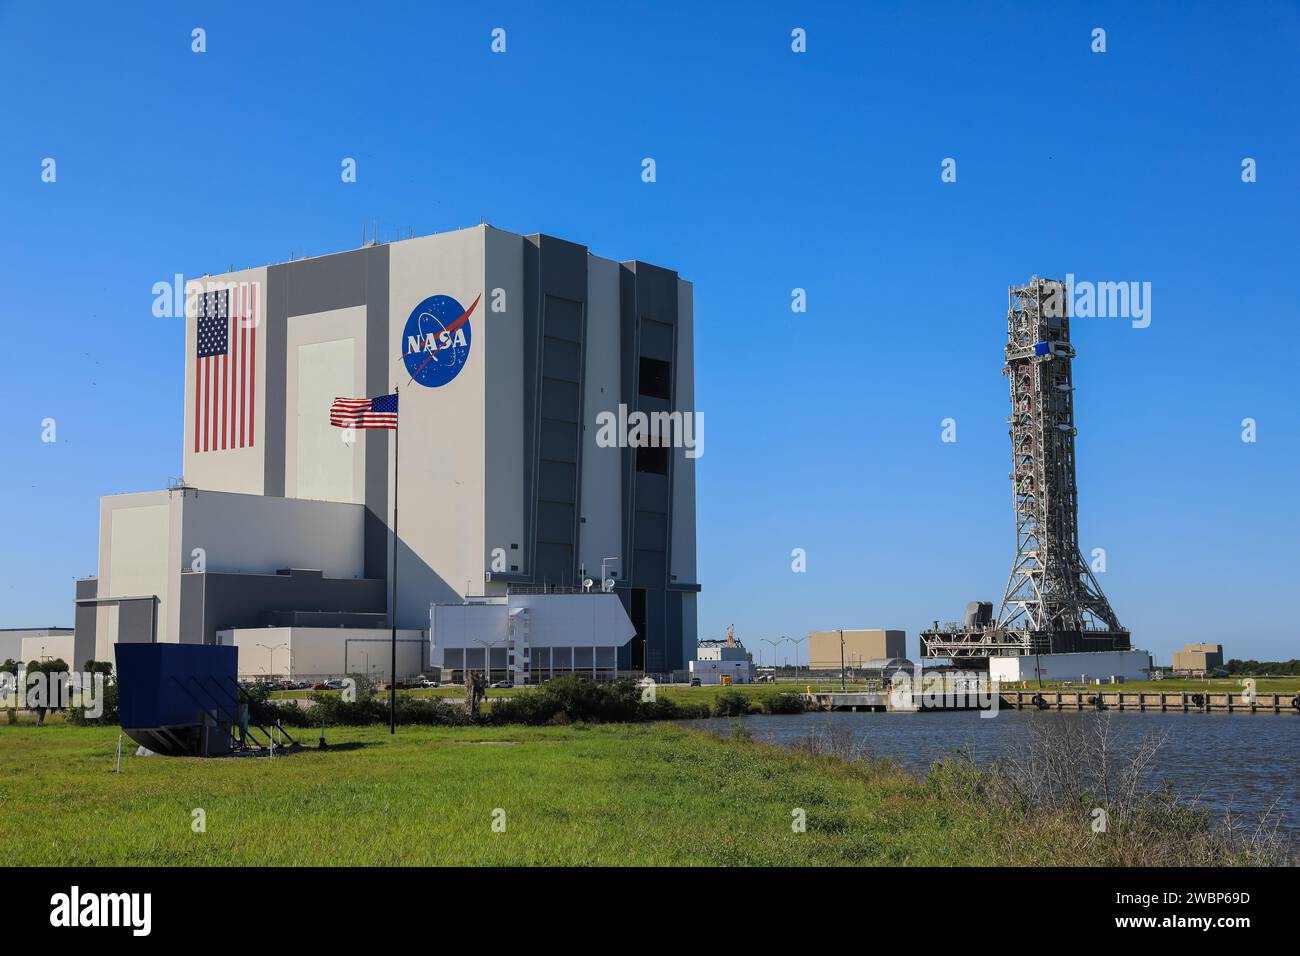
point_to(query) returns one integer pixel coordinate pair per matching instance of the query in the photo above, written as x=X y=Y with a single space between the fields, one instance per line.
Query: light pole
x=603 y=576
x=796 y=654
x=773 y=643
x=841 y=658
x=271 y=649
x=604 y=562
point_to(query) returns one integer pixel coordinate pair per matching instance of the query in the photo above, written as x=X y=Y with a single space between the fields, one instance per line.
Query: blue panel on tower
x=1042 y=348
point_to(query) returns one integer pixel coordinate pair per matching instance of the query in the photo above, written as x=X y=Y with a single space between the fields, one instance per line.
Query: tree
x=8 y=685
x=55 y=675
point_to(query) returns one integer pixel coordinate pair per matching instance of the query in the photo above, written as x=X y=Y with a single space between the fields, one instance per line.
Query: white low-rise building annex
x=528 y=637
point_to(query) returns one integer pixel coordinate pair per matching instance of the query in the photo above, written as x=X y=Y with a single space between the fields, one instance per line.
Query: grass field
x=610 y=794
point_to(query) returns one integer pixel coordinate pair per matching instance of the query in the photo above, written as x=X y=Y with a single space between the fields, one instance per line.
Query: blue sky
x=775 y=170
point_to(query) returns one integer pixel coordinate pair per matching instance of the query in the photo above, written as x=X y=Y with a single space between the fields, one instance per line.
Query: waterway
x=1242 y=762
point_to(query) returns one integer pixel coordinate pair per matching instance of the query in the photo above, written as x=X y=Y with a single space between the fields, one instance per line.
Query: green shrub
x=571 y=698
x=427 y=711
x=730 y=703
x=785 y=702
x=109 y=713
x=577 y=699
x=335 y=711
x=533 y=707
x=665 y=709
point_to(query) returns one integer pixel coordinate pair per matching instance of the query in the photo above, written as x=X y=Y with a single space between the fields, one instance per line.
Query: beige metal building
x=317 y=653
x=26 y=644
x=42 y=644
x=1195 y=660
x=860 y=646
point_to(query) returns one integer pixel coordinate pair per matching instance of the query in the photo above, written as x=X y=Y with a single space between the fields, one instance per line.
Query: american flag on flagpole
x=378 y=412
x=225 y=368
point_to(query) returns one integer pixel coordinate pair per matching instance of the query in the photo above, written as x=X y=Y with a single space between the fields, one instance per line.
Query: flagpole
x=392 y=674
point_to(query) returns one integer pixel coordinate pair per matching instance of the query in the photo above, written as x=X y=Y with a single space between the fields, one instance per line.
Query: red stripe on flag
x=252 y=364
x=225 y=383
x=207 y=386
x=198 y=392
x=234 y=376
x=228 y=413
x=243 y=378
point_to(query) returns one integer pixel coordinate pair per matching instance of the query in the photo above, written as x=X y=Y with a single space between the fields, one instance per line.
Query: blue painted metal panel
x=156 y=682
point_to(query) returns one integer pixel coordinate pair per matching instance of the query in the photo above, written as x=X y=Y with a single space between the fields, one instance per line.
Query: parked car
x=429 y=682
x=695 y=682
x=322 y=686
x=334 y=684
x=504 y=684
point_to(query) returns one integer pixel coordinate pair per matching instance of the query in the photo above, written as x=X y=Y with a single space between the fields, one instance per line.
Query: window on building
x=652 y=461
x=656 y=379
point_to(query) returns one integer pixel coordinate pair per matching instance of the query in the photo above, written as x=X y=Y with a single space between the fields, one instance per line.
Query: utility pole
x=842 y=659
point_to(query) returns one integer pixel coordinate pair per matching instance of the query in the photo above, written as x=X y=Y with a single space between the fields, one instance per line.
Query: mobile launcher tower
x=1052 y=602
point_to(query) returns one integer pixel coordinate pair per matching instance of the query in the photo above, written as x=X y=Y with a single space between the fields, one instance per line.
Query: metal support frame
x=1052 y=600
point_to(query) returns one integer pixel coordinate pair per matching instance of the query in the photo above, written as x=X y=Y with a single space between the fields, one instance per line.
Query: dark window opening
x=656 y=379
x=652 y=461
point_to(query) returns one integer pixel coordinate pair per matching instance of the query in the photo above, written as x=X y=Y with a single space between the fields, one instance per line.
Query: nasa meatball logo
x=436 y=340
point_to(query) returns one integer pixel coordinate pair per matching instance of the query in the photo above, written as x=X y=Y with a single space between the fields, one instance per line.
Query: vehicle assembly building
x=503 y=351
x=1052 y=602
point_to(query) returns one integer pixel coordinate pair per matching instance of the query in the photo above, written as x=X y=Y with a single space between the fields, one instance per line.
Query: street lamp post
x=604 y=576
x=773 y=643
x=796 y=654
x=271 y=649
x=604 y=562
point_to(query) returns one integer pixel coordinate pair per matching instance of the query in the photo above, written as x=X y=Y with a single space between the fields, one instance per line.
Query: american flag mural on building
x=225 y=368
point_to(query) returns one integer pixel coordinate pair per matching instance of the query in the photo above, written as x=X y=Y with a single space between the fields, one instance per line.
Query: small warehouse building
x=528 y=637
x=317 y=653
x=715 y=660
x=27 y=644
x=1084 y=666
x=1197 y=660
x=859 y=646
